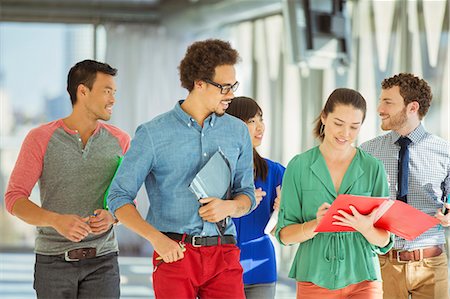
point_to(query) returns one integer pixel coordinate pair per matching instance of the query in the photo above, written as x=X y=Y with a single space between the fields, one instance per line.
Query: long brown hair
x=245 y=108
x=340 y=96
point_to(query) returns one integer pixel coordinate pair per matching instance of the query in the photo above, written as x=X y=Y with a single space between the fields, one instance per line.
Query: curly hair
x=202 y=58
x=412 y=89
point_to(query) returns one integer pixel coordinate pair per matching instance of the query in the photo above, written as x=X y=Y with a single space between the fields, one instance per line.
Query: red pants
x=362 y=290
x=204 y=272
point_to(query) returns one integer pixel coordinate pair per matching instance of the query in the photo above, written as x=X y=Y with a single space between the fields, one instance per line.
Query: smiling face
x=342 y=126
x=256 y=129
x=99 y=100
x=392 y=109
x=216 y=102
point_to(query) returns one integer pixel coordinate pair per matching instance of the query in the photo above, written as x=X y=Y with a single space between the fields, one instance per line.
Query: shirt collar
x=188 y=120
x=182 y=115
x=416 y=135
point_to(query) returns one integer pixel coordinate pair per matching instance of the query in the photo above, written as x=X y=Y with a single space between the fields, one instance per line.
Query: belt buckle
x=193 y=241
x=398 y=257
x=68 y=259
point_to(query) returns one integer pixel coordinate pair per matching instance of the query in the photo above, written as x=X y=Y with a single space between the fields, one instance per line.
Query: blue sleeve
x=280 y=170
x=243 y=180
x=276 y=171
x=136 y=165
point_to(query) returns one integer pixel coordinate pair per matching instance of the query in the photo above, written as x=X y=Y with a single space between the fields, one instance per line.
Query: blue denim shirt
x=166 y=153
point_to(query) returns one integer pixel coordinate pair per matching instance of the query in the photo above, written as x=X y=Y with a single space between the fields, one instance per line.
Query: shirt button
x=205 y=154
x=79 y=139
x=189 y=124
x=203 y=134
x=203 y=233
x=212 y=124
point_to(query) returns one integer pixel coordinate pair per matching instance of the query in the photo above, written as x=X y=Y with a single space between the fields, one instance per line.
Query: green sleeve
x=290 y=207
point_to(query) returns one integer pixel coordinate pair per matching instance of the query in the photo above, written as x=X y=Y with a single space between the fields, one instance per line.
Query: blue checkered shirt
x=428 y=181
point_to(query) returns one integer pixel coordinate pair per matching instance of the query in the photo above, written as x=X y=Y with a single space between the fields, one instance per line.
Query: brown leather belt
x=198 y=241
x=80 y=254
x=417 y=254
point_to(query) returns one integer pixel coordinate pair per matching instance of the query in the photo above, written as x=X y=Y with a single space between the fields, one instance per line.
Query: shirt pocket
x=311 y=200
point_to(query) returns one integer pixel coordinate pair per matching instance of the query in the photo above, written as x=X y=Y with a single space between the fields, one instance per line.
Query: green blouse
x=331 y=260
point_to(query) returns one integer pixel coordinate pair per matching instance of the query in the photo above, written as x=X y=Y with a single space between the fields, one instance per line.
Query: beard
x=396 y=121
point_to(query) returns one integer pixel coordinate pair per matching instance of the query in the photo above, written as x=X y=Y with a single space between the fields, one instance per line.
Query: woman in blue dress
x=257 y=251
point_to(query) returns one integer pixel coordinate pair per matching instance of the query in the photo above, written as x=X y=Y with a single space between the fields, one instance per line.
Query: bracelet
x=303 y=232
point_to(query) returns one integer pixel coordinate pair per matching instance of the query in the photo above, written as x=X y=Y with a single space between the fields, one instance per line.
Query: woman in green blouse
x=342 y=264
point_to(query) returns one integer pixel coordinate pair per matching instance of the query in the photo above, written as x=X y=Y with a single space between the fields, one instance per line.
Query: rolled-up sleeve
x=136 y=165
x=290 y=206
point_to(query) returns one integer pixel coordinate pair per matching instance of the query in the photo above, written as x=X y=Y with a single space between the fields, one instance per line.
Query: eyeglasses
x=224 y=89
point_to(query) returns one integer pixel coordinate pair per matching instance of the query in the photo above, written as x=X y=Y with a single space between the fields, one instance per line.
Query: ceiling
x=135 y=11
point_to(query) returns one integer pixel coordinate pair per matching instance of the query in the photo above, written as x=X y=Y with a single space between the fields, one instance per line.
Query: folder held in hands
x=214 y=179
x=395 y=216
x=105 y=196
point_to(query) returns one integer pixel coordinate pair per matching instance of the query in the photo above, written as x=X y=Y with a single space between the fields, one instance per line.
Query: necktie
x=403 y=168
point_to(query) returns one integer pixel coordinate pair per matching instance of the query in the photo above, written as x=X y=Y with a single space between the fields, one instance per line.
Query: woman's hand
x=321 y=211
x=276 y=204
x=259 y=194
x=361 y=223
x=364 y=225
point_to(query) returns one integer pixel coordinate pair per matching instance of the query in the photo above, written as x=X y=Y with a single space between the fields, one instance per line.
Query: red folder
x=395 y=216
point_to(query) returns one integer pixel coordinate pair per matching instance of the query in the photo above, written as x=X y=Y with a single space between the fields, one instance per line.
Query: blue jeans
x=260 y=291
x=90 y=278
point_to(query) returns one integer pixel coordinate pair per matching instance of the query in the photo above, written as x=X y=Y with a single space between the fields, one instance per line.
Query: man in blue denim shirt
x=191 y=260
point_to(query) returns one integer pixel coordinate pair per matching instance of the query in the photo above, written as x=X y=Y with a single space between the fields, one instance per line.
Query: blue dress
x=257 y=251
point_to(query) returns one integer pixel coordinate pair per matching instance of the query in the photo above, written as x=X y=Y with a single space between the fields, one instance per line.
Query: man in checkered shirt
x=418 y=267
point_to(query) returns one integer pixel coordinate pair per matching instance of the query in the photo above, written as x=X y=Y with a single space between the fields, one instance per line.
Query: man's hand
x=444 y=219
x=214 y=209
x=168 y=249
x=259 y=194
x=72 y=227
x=101 y=221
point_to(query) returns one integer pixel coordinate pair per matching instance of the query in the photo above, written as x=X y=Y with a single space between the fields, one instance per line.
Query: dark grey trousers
x=260 y=291
x=91 y=278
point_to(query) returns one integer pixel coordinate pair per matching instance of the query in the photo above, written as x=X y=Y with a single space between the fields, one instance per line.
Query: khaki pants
x=425 y=279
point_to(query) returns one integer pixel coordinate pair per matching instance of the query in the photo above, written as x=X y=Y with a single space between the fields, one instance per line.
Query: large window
x=34 y=61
